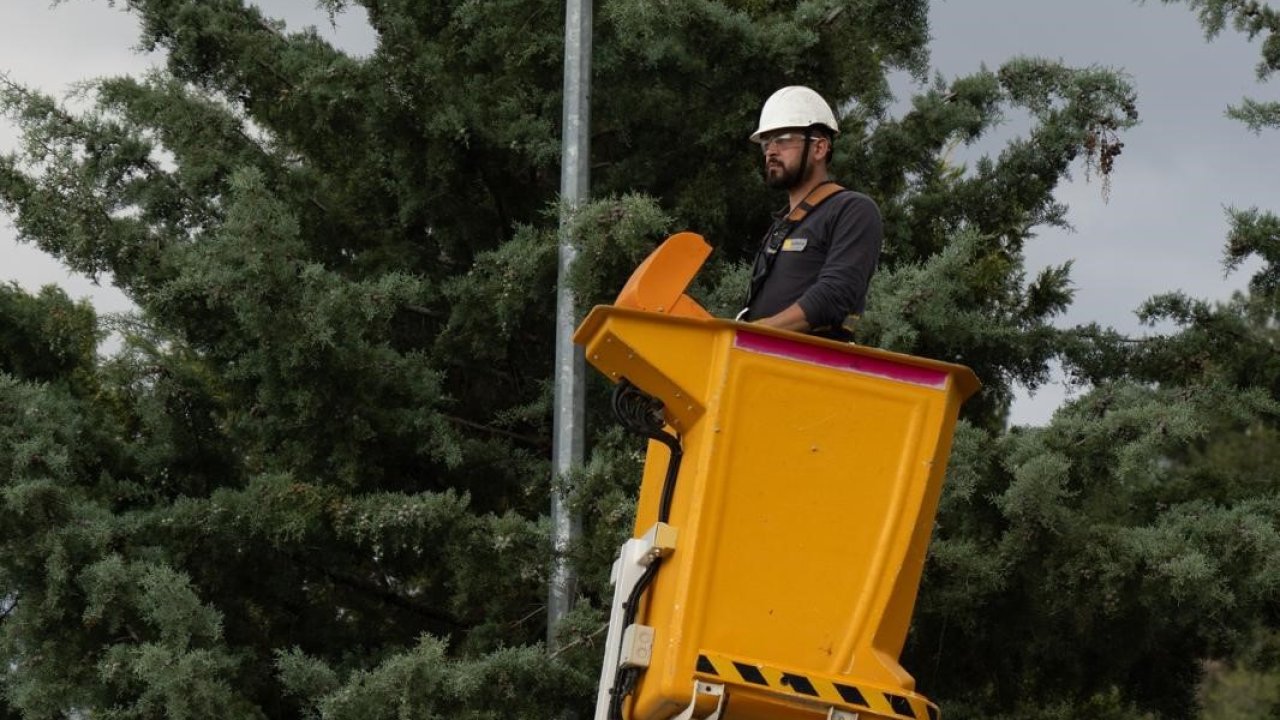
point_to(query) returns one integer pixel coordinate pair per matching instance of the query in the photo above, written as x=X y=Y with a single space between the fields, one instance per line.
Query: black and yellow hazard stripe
x=841 y=693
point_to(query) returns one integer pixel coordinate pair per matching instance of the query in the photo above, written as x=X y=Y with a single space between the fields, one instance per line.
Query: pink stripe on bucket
x=829 y=357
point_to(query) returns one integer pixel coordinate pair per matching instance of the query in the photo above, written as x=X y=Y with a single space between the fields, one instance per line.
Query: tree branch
x=528 y=439
x=580 y=640
x=363 y=586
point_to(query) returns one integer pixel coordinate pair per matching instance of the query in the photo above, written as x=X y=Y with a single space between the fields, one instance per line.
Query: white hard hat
x=794 y=106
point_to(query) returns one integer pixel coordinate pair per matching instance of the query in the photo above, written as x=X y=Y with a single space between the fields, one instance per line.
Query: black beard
x=784 y=180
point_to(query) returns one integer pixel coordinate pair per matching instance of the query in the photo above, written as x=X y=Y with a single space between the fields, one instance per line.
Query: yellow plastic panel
x=804 y=506
x=654 y=358
x=658 y=284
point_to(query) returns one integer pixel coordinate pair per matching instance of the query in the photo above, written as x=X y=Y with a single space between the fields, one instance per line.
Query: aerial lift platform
x=788 y=497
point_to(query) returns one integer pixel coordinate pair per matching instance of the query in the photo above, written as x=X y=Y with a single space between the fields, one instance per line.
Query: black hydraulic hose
x=621 y=689
x=673 y=470
x=642 y=414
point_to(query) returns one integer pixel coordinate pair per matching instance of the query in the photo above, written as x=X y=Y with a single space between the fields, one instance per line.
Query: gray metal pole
x=575 y=183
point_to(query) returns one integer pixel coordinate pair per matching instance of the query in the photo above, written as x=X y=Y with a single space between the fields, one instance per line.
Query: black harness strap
x=772 y=242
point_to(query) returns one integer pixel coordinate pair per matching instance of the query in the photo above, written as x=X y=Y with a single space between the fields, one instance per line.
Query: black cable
x=669 y=485
x=624 y=682
x=642 y=414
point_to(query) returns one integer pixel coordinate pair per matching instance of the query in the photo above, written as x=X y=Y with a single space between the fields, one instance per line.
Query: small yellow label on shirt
x=794 y=244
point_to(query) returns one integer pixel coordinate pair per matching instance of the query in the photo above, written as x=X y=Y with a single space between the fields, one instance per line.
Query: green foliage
x=1089 y=531
x=1241 y=695
x=1255 y=114
x=612 y=237
x=1246 y=687
x=45 y=337
x=425 y=684
x=968 y=306
x=1256 y=233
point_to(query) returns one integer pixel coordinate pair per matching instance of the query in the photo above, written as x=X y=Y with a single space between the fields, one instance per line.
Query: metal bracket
x=636 y=555
x=707 y=703
x=836 y=714
x=661 y=541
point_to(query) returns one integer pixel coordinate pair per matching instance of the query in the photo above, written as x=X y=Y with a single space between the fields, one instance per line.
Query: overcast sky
x=1162 y=228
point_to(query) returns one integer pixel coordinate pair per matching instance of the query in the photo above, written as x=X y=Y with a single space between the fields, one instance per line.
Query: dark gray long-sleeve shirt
x=824 y=264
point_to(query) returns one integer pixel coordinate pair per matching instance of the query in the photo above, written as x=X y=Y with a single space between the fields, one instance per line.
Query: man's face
x=783 y=150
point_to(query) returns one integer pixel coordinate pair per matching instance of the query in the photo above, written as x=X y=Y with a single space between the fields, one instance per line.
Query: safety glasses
x=781 y=140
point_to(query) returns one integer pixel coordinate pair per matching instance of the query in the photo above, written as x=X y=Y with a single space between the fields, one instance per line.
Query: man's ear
x=819 y=140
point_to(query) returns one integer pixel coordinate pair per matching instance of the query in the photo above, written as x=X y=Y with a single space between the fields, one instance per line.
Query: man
x=813 y=267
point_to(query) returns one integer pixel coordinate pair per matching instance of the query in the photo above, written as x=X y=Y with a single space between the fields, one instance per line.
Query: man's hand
x=792 y=318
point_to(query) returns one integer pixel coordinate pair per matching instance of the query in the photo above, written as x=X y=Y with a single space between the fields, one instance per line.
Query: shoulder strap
x=815 y=198
x=763 y=264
